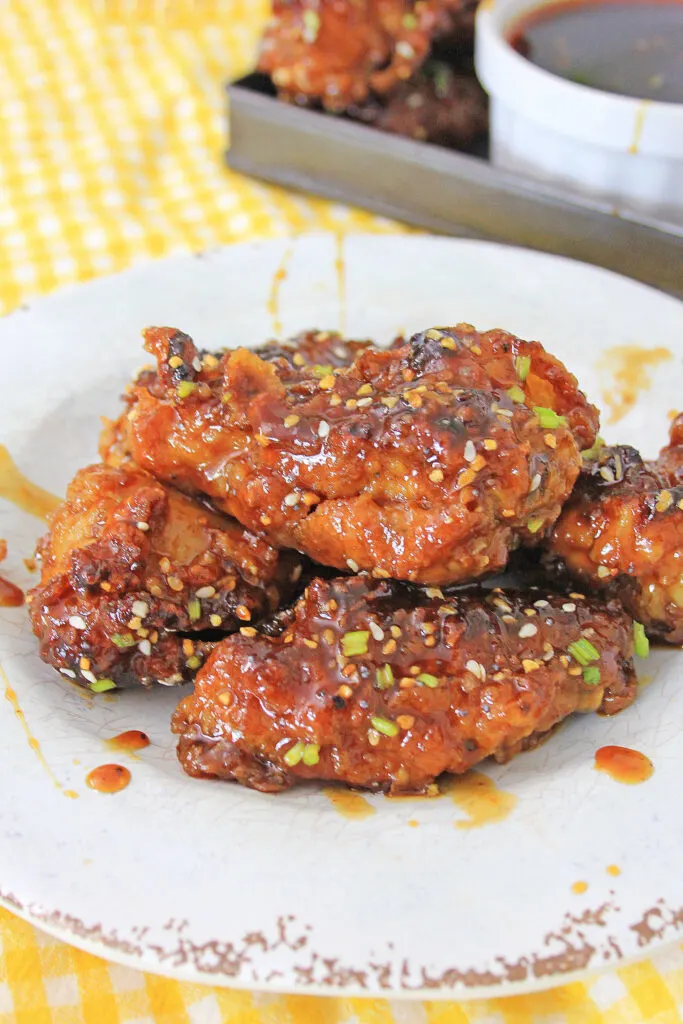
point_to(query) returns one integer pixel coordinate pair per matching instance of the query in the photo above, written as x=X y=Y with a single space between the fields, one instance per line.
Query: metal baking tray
x=439 y=189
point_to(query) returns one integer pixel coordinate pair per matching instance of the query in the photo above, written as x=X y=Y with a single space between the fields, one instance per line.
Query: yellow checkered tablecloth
x=113 y=132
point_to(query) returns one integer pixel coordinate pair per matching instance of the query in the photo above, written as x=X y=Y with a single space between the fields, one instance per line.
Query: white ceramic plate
x=208 y=881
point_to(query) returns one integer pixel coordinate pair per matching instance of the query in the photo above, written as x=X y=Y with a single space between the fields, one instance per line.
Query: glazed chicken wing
x=381 y=685
x=129 y=564
x=622 y=533
x=437 y=105
x=428 y=461
x=341 y=52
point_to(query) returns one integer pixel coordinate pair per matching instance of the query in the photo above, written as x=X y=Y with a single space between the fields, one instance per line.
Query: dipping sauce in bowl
x=629 y=47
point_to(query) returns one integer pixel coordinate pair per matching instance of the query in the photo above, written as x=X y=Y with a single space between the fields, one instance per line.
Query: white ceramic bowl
x=626 y=152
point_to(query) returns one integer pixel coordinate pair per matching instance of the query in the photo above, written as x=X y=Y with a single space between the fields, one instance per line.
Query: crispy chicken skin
x=622 y=532
x=128 y=562
x=311 y=351
x=428 y=461
x=384 y=686
x=341 y=52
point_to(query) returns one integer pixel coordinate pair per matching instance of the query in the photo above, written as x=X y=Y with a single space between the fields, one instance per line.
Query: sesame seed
x=327 y=383
x=78 y=622
x=144 y=527
x=466 y=477
x=470 y=452
x=535 y=483
x=550 y=440
x=145 y=647
x=247 y=631
x=328 y=636
x=309 y=643
x=335 y=400
x=140 y=608
x=664 y=501
x=363 y=403
x=196 y=364
x=68 y=673
x=390 y=401
x=376 y=631
x=405 y=721
x=291 y=499
x=353 y=566
x=350 y=403
x=174 y=583
x=215 y=620
x=345 y=691
x=490 y=445
x=204 y=592
x=298 y=359
x=175 y=362
x=242 y=612
x=210 y=361
x=436 y=476
x=323 y=428
x=395 y=631
x=607 y=474
x=540 y=604
x=164 y=564
x=575 y=670
x=291 y=421
x=602 y=572
x=89 y=676
x=84 y=663
x=476 y=669
x=406 y=682
x=225 y=698
x=430 y=641
x=529 y=665
x=364 y=389
x=569 y=607
x=528 y=629
x=389 y=647
x=434 y=592
x=373 y=737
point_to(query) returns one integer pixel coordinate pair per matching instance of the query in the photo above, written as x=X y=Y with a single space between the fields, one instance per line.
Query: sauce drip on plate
x=11 y=596
x=349 y=804
x=108 y=778
x=129 y=741
x=18 y=489
x=478 y=796
x=623 y=764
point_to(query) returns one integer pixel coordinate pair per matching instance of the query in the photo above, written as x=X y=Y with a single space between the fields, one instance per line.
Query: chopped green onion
x=355 y=642
x=311 y=21
x=522 y=366
x=185 y=388
x=591 y=676
x=122 y=639
x=311 y=754
x=591 y=453
x=193 y=661
x=428 y=680
x=641 y=644
x=534 y=525
x=295 y=753
x=583 y=651
x=194 y=609
x=409 y=21
x=384 y=677
x=548 y=418
x=322 y=371
x=384 y=726
x=516 y=394
x=101 y=685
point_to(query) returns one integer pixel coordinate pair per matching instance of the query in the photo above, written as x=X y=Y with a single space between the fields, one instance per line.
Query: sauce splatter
x=579 y=887
x=129 y=741
x=478 y=796
x=413 y=823
x=108 y=778
x=350 y=805
x=628 y=366
x=15 y=487
x=613 y=869
x=623 y=764
x=10 y=595
x=273 y=304
x=638 y=125
x=33 y=743
x=340 y=268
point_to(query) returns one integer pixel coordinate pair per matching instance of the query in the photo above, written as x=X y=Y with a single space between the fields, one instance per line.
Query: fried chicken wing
x=129 y=564
x=428 y=461
x=437 y=105
x=319 y=352
x=341 y=52
x=622 y=533
x=381 y=685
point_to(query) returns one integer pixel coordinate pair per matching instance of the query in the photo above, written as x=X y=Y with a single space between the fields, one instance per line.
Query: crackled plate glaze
x=472 y=893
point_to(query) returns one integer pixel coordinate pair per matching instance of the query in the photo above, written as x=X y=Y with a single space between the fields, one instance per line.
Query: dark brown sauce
x=623 y=764
x=628 y=47
x=129 y=741
x=108 y=778
x=18 y=489
x=10 y=595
